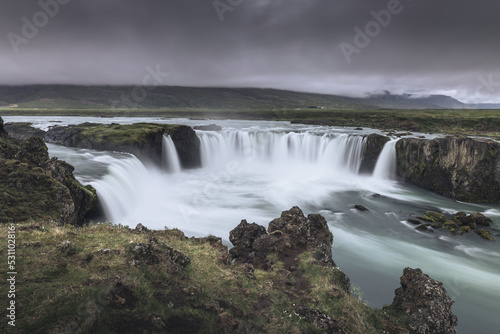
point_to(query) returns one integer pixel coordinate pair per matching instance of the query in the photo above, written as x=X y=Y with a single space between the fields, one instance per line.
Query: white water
x=170 y=157
x=386 y=163
x=255 y=170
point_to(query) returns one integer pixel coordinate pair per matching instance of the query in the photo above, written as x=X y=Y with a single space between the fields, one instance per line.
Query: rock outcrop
x=144 y=140
x=466 y=169
x=426 y=302
x=2 y=130
x=36 y=187
x=374 y=146
x=289 y=236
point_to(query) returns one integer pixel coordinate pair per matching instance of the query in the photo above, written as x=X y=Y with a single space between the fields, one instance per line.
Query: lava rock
x=426 y=302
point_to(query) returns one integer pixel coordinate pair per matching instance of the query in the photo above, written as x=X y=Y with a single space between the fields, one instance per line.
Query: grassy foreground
x=479 y=122
x=90 y=280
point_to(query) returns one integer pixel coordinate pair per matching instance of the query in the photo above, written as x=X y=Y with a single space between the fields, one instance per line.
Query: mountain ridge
x=178 y=97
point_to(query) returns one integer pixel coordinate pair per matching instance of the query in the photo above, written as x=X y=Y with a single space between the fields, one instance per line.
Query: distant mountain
x=195 y=98
x=408 y=101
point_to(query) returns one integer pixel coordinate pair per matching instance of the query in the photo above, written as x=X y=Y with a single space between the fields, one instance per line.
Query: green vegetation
x=89 y=279
x=458 y=122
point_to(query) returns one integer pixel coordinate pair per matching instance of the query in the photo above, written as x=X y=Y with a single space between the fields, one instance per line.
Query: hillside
x=192 y=98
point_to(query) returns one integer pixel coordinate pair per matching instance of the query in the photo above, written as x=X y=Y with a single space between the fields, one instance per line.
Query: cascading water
x=340 y=152
x=386 y=162
x=256 y=170
x=170 y=157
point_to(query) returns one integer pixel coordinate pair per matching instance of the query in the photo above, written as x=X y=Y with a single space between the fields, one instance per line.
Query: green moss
x=465 y=229
x=485 y=234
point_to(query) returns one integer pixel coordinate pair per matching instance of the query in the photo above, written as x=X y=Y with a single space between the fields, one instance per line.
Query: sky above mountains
x=346 y=47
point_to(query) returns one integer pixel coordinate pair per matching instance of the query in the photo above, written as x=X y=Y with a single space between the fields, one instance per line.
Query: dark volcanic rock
x=374 y=145
x=23 y=130
x=426 y=302
x=2 y=130
x=289 y=236
x=36 y=187
x=360 y=207
x=143 y=140
x=467 y=169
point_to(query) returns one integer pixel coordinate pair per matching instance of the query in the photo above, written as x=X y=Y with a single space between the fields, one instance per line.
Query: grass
x=93 y=286
x=478 y=122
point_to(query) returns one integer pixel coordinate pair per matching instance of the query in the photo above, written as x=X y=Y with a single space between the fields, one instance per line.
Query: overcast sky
x=418 y=46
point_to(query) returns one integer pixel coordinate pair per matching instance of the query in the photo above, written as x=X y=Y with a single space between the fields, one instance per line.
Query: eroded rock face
x=374 y=146
x=2 y=130
x=288 y=236
x=466 y=169
x=143 y=140
x=427 y=303
x=36 y=187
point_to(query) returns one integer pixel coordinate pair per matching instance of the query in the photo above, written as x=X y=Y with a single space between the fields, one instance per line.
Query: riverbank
x=115 y=279
x=470 y=122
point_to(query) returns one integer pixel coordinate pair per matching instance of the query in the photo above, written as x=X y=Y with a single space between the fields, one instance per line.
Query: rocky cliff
x=36 y=187
x=144 y=140
x=466 y=169
x=374 y=146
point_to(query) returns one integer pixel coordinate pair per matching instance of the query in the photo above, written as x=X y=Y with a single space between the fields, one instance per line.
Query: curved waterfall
x=337 y=151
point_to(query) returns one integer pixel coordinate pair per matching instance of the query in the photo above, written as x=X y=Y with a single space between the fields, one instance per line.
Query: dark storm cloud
x=429 y=46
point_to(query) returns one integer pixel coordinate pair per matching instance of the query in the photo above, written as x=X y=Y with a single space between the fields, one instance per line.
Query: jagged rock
x=289 y=236
x=149 y=254
x=210 y=127
x=374 y=145
x=426 y=302
x=467 y=169
x=243 y=237
x=35 y=187
x=472 y=220
x=144 y=253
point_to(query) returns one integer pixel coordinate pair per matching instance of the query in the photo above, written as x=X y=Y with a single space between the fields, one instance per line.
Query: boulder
x=426 y=302
x=289 y=236
x=23 y=130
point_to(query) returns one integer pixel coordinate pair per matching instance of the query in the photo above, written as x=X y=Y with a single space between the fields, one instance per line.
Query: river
x=255 y=169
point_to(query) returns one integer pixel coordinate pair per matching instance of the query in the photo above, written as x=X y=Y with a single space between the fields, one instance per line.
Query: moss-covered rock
x=467 y=169
x=32 y=186
x=144 y=140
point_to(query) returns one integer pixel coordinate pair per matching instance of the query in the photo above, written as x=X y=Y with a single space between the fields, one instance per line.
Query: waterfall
x=386 y=162
x=118 y=189
x=170 y=156
x=336 y=151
